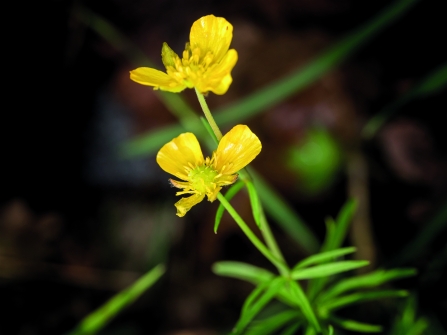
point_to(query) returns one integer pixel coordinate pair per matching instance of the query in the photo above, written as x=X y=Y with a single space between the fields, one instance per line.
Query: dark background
x=78 y=224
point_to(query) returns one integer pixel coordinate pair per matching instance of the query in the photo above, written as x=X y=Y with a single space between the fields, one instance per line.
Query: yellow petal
x=211 y=33
x=180 y=155
x=236 y=150
x=185 y=204
x=151 y=77
x=218 y=78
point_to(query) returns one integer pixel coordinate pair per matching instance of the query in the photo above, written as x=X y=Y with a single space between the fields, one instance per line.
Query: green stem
x=265 y=227
x=208 y=115
x=271 y=242
x=251 y=236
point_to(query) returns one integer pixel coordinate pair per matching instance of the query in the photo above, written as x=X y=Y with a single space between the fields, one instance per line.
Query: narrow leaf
x=372 y=279
x=96 y=320
x=302 y=301
x=323 y=257
x=243 y=271
x=253 y=296
x=257 y=302
x=255 y=203
x=342 y=223
x=356 y=326
x=291 y=330
x=326 y=270
x=272 y=324
x=284 y=215
x=355 y=298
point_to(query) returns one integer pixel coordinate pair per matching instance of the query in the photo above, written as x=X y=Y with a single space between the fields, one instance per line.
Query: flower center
x=192 y=67
x=202 y=178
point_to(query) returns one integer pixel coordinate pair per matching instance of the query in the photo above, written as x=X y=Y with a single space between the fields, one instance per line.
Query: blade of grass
x=307 y=75
x=431 y=84
x=96 y=320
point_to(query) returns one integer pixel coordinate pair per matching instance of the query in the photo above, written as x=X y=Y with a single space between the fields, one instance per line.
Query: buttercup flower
x=183 y=158
x=206 y=63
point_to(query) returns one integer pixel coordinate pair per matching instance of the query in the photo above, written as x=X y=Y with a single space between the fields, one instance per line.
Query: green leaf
x=316 y=160
x=255 y=203
x=291 y=330
x=335 y=234
x=284 y=215
x=255 y=295
x=251 y=274
x=243 y=271
x=326 y=270
x=407 y=323
x=232 y=191
x=270 y=325
x=310 y=331
x=356 y=298
x=323 y=257
x=372 y=279
x=301 y=300
x=342 y=223
x=256 y=301
x=96 y=320
x=434 y=82
x=356 y=326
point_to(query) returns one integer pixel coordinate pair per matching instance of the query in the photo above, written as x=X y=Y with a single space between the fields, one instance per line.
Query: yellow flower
x=183 y=158
x=206 y=63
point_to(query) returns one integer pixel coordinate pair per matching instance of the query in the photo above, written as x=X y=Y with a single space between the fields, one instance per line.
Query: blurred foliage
x=316 y=161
